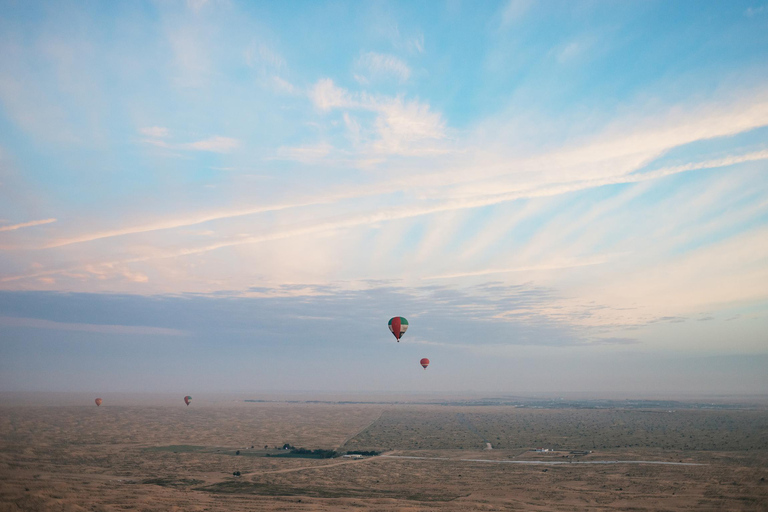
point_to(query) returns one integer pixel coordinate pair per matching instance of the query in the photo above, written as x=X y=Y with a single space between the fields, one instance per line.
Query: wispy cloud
x=186 y=221
x=263 y=55
x=326 y=95
x=390 y=214
x=371 y=218
x=444 y=312
x=401 y=127
x=306 y=154
x=192 y=59
x=753 y=11
x=572 y=50
x=215 y=144
x=411 y=41
x=271 y=68
x=29 y=224
x=373 y=66
x=597 y=260
x=154 y=131
x=514 y=11
x=729 y=271
x=609 y=156
x=284 y=86
x=37 y=323
x=110 y=270
x=197 y=5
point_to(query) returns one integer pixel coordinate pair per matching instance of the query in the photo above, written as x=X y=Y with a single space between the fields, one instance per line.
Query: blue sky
x=226 y=196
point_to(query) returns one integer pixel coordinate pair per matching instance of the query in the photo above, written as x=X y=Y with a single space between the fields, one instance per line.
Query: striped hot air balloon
x=424 y=362
x=187 y=399
x=398 y=325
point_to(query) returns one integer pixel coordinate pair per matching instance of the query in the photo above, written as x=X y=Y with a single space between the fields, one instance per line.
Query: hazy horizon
x=470 y=399
x=224 y=196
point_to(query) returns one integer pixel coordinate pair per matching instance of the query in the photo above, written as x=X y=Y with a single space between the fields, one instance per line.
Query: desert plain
x=62 y=453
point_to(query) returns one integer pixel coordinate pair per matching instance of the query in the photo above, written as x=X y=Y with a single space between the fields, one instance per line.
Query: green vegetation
x=270 y=489
x=172 y=482
x=288 y=451
x=177 y=448
x=303 y=453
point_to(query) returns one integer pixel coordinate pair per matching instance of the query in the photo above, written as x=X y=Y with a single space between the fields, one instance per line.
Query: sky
x=236 y=196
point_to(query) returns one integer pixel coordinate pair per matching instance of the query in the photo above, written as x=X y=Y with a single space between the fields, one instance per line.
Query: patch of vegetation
x=176 y=483
x=288 y=451
x=176 y=448
x=303 y=453
x=369 y=453
x=268 y=489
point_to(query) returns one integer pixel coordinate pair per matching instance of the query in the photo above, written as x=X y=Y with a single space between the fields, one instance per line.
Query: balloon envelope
x=398 y=325
x=187 y=399
x=98 y=402
x=424 y=362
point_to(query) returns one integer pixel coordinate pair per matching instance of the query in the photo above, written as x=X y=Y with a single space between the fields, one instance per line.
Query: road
x=548 y=463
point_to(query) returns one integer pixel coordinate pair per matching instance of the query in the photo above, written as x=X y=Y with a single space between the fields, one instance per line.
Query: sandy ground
x=172 y=457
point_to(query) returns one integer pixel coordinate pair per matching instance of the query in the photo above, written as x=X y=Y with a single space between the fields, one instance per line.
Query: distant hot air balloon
x=424 y=362
x=98 y=402
x=187 y=399
x=398 y=325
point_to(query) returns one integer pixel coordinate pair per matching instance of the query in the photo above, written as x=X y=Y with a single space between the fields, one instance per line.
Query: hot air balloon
x=187 y=399
x=398 y=325
x=98 y=402
x=424 y=362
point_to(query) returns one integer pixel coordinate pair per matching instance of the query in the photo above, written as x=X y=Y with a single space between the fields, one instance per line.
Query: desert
x=430 y=457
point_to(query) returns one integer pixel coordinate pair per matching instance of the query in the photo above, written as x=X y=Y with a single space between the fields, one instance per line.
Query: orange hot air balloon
x=187 y=399
x=98 y=402
x=424 y=362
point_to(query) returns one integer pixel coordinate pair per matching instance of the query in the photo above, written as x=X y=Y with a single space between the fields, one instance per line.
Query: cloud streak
x=215 y=144
x=154 y=131
x=37 y=323
x=199 y=219
x=647 y=142
x=29 y=224
x=402 y=127
x=531 y=268
x=378 y=65
x=444 y=312
x=383 y=215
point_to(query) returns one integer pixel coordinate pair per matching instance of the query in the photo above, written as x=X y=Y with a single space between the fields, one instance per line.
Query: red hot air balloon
x=98 y=402
x=424 y=362
x=398 y=325
x=187 y=399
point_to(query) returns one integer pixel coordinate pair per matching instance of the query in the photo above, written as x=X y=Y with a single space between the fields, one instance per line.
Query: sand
x=166 y=456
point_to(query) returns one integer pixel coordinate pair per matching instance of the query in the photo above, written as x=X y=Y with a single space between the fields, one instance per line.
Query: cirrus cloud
x=379 y=66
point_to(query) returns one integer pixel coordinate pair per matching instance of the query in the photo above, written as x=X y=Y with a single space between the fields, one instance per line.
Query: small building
x=543 y=450
x=352 y=456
